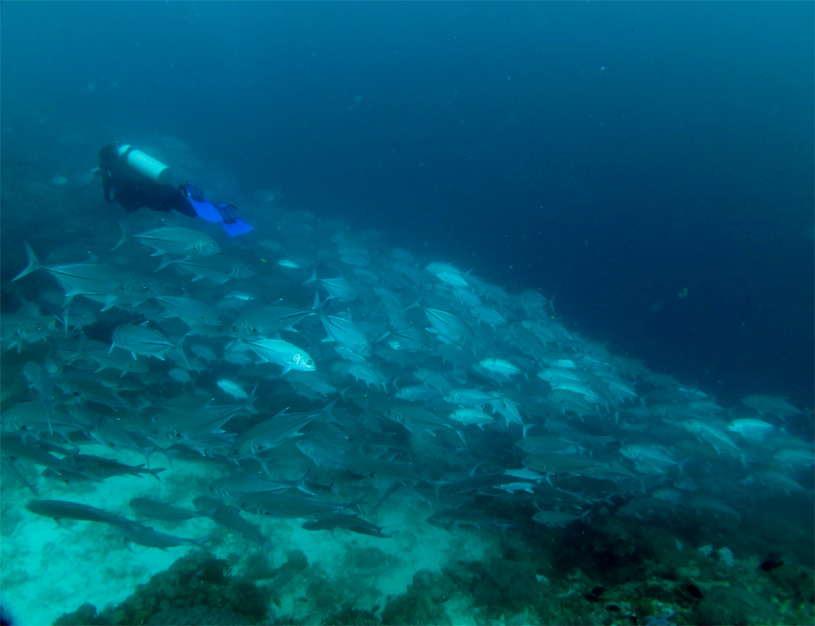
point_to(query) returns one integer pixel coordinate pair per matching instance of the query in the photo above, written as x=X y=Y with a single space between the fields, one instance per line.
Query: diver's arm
x=107 y=185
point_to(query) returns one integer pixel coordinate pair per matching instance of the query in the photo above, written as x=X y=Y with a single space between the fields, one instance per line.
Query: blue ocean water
x=650 y=165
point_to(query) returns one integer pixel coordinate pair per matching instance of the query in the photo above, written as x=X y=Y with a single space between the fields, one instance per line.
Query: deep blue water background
x=614 y=154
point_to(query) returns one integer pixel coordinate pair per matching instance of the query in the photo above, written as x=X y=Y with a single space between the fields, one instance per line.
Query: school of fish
x=321 y=374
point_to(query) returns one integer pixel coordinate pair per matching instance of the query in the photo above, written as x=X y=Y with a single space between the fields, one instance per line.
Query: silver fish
x=230 y=387
x=345 y=333
x=111 y=285
x=64 y=509
x=282 y=353
x=499 y=367
x=230 y=517
x=161 y=510
x=190 y=311
x=447 y=327
x=140 y=340
x=448 y=274
x=148 y=537
x=770 y=404
x=268 y=320
x=345 y=521
x=218 y=269
x=174 y=240
x=557 y=519
x=751 y=428
x=471 y=416
x=24 y=327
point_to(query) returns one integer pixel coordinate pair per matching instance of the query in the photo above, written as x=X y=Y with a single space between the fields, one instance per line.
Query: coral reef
x=196 y=589
x=613 y=573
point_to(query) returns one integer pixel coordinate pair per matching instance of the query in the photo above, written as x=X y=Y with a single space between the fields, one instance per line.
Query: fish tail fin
x=169 y=459
x=313 y=276
x=328 y=410
x=180 y=347
x=437 y=485
x=33 y=263
x=64 y=319
x=165 y=261
x=356 y=504
x=122 y=239
x=416 y=304
x=301 y=483
x=250 y=401
x=320 y=308
x=384 y=336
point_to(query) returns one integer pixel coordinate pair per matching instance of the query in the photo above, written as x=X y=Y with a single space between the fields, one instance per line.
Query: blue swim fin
x=233 y=225
x=203 y=207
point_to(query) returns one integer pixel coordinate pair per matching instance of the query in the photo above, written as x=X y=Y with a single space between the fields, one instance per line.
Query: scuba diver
x=135 y=179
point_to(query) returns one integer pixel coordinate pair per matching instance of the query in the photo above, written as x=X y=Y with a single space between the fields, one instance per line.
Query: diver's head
x=108 y=155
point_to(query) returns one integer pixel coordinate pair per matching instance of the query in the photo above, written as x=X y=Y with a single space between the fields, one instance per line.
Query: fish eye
x=234 y=329
x=144 y=285
x=38 y=326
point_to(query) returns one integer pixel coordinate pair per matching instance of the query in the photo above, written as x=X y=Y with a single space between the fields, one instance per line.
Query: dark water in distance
x=649 y=163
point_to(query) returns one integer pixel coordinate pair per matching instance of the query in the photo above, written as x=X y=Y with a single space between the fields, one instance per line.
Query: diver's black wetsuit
x=134 y=190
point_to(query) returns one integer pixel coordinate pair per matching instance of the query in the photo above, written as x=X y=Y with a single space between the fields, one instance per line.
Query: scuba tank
x=145 y=164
